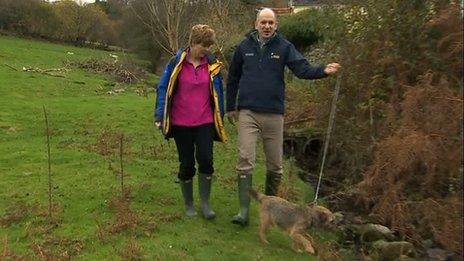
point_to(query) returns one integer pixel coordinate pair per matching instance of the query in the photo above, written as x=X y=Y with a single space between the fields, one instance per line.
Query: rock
x=373 y=232
x=438 y=254
x=401 y=250
x=428 y=243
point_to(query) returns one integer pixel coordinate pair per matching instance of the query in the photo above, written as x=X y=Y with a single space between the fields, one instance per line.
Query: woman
x=189 y=108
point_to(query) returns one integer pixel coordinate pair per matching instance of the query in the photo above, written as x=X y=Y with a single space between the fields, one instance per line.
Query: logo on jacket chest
x=275 y=56
x=272 y=56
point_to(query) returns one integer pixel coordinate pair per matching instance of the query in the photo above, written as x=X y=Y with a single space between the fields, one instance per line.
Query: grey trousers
x=269 y=126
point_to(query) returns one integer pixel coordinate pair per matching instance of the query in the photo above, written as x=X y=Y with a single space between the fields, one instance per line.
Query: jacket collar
x=211 y=58
x=253 y=36
x=203 y=60
x=214 y=65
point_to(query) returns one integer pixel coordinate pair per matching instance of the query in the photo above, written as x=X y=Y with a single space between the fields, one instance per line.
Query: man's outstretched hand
x=232 y=116
x=332 y=68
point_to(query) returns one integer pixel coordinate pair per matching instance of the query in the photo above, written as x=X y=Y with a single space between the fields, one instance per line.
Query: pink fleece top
x=191 y=104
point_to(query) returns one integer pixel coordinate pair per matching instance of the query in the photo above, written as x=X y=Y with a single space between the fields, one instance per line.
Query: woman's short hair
x=202 y=34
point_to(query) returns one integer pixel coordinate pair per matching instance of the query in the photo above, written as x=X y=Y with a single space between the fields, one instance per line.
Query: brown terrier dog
x=292 y=218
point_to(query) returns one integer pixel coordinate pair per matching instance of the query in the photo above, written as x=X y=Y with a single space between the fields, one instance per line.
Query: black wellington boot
x=204 y=183
x=187 y=192
x=272 y=183
x=244 y=186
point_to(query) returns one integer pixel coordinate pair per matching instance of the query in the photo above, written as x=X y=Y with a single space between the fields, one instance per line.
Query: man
x=255 y=98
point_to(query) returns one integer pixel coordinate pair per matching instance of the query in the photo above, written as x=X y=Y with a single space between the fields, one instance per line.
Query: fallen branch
x=449 y=99
x=46 y=71
x=9 y=66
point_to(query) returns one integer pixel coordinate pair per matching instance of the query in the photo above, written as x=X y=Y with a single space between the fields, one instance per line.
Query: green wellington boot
x=244 y=186
x=204 y=183
x=187 y=192
x=272 y=183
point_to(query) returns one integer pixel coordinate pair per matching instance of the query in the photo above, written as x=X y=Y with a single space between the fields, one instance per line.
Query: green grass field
x=85 y=124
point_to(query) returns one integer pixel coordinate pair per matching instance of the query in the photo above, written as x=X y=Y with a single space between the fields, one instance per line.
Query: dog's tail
x=256 y=195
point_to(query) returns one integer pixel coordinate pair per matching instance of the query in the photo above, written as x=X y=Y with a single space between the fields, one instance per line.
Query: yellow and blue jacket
x=167 y=89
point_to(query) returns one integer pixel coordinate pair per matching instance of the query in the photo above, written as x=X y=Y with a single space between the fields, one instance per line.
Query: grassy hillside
x=88 y=222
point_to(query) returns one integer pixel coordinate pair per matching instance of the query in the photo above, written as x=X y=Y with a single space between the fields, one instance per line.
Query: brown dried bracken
x=413 y=182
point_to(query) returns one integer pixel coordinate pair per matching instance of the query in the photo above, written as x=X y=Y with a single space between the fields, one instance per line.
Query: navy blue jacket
x=256 y=75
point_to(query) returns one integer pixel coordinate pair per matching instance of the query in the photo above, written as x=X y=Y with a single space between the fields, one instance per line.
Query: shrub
x=300 y=28
x=397 y=139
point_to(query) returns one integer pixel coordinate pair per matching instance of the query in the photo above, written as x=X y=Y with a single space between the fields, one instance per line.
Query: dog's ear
x=322 y=217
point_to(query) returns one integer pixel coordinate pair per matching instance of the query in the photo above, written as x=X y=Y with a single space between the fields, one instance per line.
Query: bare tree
x=167 y=20
x=230 y=19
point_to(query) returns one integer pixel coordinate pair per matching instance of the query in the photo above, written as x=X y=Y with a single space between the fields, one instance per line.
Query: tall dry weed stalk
x=121 y=170
x=47 y=133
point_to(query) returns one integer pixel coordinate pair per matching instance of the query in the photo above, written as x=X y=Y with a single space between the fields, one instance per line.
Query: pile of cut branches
x=123 y=72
